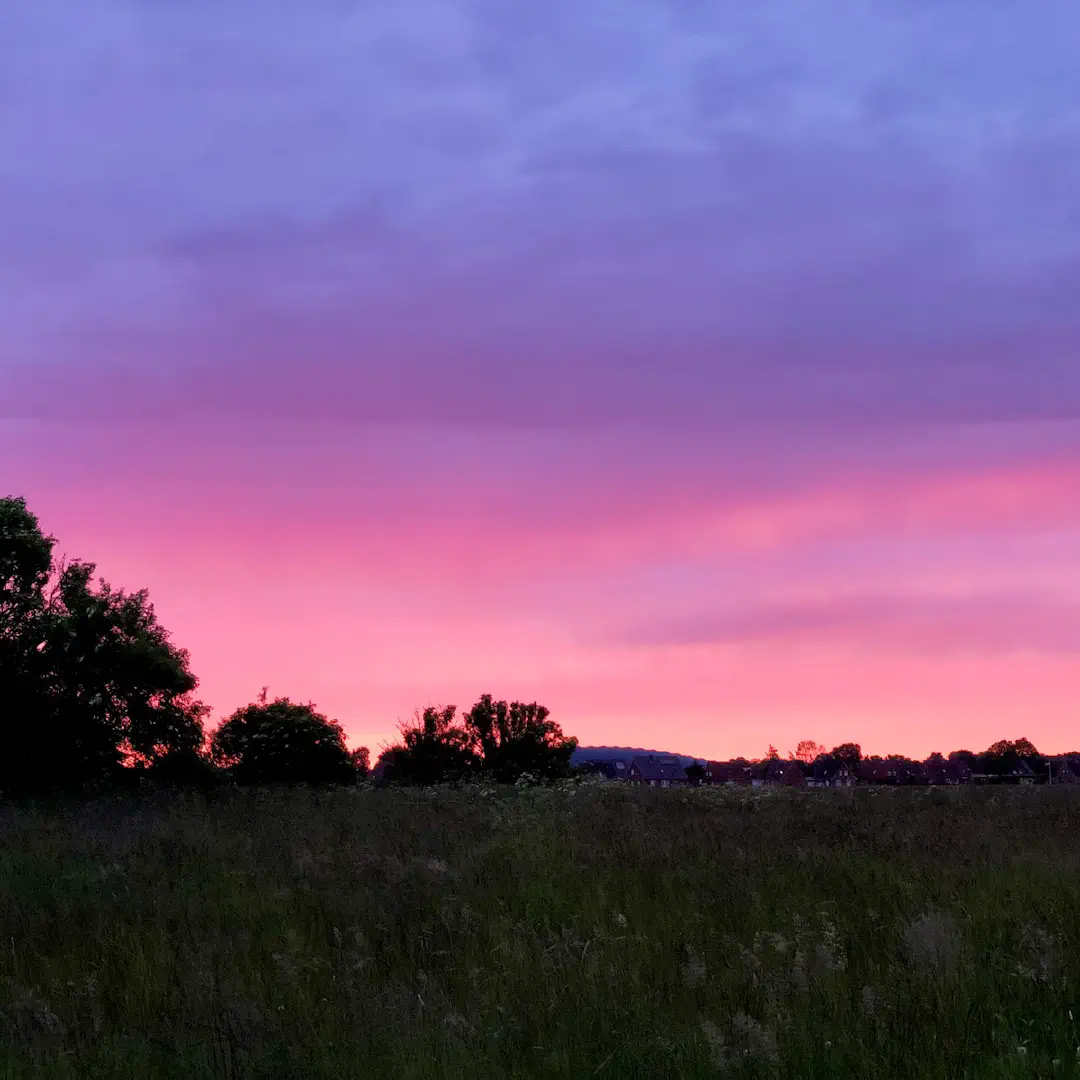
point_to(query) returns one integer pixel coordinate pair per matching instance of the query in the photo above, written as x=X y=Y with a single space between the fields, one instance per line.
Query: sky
x=708 y=371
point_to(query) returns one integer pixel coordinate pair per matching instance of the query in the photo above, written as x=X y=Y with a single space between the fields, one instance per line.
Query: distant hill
x=615 y=753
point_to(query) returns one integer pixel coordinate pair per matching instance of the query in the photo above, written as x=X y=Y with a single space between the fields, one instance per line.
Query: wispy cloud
x=580 y=214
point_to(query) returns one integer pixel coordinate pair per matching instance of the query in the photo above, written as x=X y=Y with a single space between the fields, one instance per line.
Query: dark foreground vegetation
x=554 y=931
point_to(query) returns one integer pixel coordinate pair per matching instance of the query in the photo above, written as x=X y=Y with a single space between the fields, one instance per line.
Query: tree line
x=999 y=759
x=93 y=691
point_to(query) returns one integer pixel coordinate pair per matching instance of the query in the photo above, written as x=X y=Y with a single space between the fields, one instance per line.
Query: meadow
x=572 y=931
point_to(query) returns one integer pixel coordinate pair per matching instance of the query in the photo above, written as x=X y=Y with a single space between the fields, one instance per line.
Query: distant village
x=1003 y=763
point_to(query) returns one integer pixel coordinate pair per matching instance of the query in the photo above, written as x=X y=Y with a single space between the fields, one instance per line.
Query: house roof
x=1021 y=768
x=830 y=770
x=610 y=768
x=653 y=768
x=784 y=772
x=720 y=771
x=948 y=772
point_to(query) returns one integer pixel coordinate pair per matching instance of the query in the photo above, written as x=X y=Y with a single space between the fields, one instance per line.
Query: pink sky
x=925 y=595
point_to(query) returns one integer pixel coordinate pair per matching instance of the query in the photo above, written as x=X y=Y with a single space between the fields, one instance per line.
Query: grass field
x=584 y=932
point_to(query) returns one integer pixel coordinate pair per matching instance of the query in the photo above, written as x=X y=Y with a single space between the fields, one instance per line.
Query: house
x=892 y=770
x=657 y=772
x=877 y=772
x=1020 y=773
x=948 y=772
x=783 y=773
x=831 y=774
x=608 y=769
x=727 y=772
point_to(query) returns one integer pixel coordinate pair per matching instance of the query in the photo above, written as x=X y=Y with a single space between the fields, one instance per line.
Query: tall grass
x=597 y=931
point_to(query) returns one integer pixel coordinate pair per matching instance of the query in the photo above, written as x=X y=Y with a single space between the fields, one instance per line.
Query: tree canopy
x=1005 y=755
x=514 y=739
x=499 y=740
x=434 y=749
x=89 y=679
x=849 y=753
x=282 y=742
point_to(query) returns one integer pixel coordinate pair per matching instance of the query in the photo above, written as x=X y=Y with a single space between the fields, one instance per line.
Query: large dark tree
x=1005 y=755
x=282 y=742
x=849 y=753
x=433 y=750
x=496 y=739
x=89 y=680
x=514 y=739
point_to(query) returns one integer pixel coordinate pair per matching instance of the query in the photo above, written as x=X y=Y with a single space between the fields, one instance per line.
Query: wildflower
x=933 y=942
x=757 y=1040
x=694 y=970
x=620 y=920
x=829 y=950
x=458 y=1023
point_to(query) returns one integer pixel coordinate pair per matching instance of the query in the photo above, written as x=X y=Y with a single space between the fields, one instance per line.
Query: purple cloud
x=573 y=215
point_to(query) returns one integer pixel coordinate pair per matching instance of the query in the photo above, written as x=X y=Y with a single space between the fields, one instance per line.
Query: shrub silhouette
x=515 y=738
x=496 y=739
x=282 y=742
x=433 y=750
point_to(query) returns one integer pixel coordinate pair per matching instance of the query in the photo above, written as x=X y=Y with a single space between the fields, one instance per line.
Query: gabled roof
x=1021 y=768
x=831 y=770
x=948 y=772
x=1065 y=768
x=877 y=770
x=723 y=771
x=784 y=772
x=610 y=768
x=654 y=768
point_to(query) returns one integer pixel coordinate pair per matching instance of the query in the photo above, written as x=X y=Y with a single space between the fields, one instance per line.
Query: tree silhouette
x=695 y=773
x=514 y=739
x=282 y=742
x=433 y=750
x=497 y=739
x=361 y=761
x=807 y=751
x=1003 y=756
x=89 y=679
x=849 y=753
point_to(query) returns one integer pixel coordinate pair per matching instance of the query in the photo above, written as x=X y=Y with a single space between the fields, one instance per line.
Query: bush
x=282 y=742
